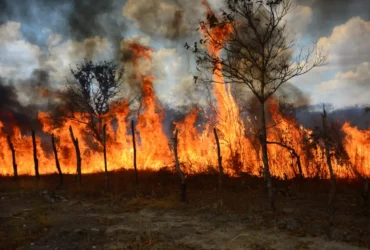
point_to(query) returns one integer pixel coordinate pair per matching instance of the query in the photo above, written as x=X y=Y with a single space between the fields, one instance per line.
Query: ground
x=40 y=215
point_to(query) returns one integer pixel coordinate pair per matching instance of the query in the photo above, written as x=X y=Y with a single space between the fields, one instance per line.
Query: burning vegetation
x=92 y=116
x=108 y=117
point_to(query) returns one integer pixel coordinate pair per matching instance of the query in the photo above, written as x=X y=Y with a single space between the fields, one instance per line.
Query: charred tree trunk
x=300 y=176
x=15 y=168
x=333 y=191
x=178 y=168
x=263 y=140
x=135 y=166
x=57 y=160
x=78 y=155
x=36 y=161
x=220 y=168
x=105 y=157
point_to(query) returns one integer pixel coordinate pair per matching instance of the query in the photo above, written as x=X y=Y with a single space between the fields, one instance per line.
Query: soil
x=43 y=215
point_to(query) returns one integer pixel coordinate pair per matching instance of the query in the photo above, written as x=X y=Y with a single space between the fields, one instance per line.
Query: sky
x=52 y=35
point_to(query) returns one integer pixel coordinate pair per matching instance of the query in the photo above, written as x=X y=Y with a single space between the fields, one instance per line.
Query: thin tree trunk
x=220 y=168
x=57 y=160
x=333 y=191
x=15 y=168
x=301 y=176
x=78 y=155
x=178 y=168
x=263 y=140
x=36 y=161
x=135 y=166
x=105 y=156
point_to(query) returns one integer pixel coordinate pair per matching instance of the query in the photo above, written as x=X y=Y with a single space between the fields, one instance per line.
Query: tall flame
x=197 y=149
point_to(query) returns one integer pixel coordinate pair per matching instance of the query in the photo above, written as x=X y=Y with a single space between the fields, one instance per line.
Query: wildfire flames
x=197 y=147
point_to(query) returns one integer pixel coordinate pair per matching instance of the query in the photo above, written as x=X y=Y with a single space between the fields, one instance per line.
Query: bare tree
x=91 y=95
x=250 y=45
x=329 y=138
x=328 y=147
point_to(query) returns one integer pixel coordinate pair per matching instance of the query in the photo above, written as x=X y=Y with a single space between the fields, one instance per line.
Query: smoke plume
x=21 y=101
x=73 y=19
x=165 y=18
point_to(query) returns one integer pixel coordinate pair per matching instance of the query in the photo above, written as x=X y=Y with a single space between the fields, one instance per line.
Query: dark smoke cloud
x=329 y=13
x=21 y=100
x=91 y=18
x=292 y=94
x=12 y=111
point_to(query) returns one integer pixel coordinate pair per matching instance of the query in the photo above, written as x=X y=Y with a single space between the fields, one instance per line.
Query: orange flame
x=197 y=149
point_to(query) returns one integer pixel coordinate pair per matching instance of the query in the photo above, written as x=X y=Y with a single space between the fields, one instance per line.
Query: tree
x=251 y=46
x=91 y=95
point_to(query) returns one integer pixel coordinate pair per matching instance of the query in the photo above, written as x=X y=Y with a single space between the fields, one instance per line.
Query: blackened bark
x=178 y=168
x=35 y=159
x=57 y=160
x=78 y=155
x=263 y=140
x=333 y=191
x=15 y=168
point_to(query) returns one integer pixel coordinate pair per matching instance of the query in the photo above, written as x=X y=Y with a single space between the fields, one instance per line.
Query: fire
x=196 y=148
x=357 y=145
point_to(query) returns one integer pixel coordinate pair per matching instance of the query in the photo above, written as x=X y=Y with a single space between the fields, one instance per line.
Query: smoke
x=13 y=111
x=171 y=19
x=292 y=94
x=137 y=60
x=21 y=101
x=73 y=19
x=328 y=14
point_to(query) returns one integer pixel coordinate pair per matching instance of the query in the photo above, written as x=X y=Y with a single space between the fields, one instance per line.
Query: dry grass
x=244 y=196
x=166 y=203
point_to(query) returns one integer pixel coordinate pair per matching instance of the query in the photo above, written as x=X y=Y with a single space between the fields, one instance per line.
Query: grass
x=244 y=195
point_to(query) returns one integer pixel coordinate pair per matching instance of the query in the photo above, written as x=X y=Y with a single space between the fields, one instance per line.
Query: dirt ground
x=41 y=216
